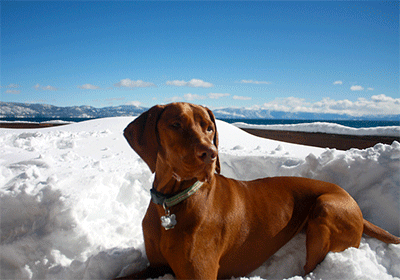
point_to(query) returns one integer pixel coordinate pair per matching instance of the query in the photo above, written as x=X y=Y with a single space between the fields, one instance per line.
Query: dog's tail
x=380 y=234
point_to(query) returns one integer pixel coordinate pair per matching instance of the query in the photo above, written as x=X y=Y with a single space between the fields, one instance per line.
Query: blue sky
x=331 y=56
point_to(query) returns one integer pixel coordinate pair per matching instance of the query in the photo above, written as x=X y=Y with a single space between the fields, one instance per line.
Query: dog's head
x=180 y=136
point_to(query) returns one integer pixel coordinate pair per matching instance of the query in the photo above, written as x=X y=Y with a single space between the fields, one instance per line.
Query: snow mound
x=72 y=200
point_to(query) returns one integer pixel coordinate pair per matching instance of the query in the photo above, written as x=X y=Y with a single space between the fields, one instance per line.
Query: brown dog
x=224 y=227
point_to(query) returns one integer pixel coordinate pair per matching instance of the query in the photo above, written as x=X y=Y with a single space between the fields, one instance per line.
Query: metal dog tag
x=168 y=221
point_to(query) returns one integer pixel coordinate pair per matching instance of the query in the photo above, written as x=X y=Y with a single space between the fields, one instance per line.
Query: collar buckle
x=157 y=197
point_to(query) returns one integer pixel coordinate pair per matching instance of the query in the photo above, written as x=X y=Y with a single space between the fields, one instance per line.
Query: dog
x=202 y=225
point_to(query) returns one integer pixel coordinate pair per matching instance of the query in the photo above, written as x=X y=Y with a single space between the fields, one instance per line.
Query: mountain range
x=27 y=110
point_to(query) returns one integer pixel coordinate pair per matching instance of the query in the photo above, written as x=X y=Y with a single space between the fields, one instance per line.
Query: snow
x=325 y=127
x=72 y=199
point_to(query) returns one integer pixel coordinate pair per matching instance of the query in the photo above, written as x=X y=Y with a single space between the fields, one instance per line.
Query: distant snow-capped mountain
x=26 y=110
x=246 y=113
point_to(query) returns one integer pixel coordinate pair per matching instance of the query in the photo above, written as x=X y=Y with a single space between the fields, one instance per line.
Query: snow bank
x=324 y=127
x=72 y=200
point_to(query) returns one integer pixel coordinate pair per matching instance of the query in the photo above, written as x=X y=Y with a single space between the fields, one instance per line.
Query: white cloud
x=338 y=83
x=356 y=88
x=254 y=82
x=191 y=83
x=13 y=91
x=217 y=95
x=133 y=84
x=134 y=103
x=236 y=97
x=384 y=98
x=191 y=97
x=39 y=87
x=88 y=86
x=376 y=105
x=371 y=89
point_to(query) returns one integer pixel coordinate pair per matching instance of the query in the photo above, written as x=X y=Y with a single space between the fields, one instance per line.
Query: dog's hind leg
x=335 y=224
x=317 y=244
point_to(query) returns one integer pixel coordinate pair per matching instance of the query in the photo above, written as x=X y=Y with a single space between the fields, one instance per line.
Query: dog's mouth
x=206 y=175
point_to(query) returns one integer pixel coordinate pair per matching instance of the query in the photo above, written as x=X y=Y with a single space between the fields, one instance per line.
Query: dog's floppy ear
x=141 y=135
x=218 y=165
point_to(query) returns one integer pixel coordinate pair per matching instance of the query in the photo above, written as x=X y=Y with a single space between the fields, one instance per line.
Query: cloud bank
x=376 y=105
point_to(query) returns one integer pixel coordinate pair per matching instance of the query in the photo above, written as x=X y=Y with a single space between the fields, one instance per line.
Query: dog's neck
x=166 y=181
x=170 y=185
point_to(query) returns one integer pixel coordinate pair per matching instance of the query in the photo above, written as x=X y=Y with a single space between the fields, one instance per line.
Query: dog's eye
x=210 y=128
x=176 y=125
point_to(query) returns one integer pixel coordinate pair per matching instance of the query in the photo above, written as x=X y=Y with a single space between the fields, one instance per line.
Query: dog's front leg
x=204 y=267
x=193 y=257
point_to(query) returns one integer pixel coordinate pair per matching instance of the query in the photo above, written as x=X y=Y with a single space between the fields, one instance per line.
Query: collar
x=169 y=200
